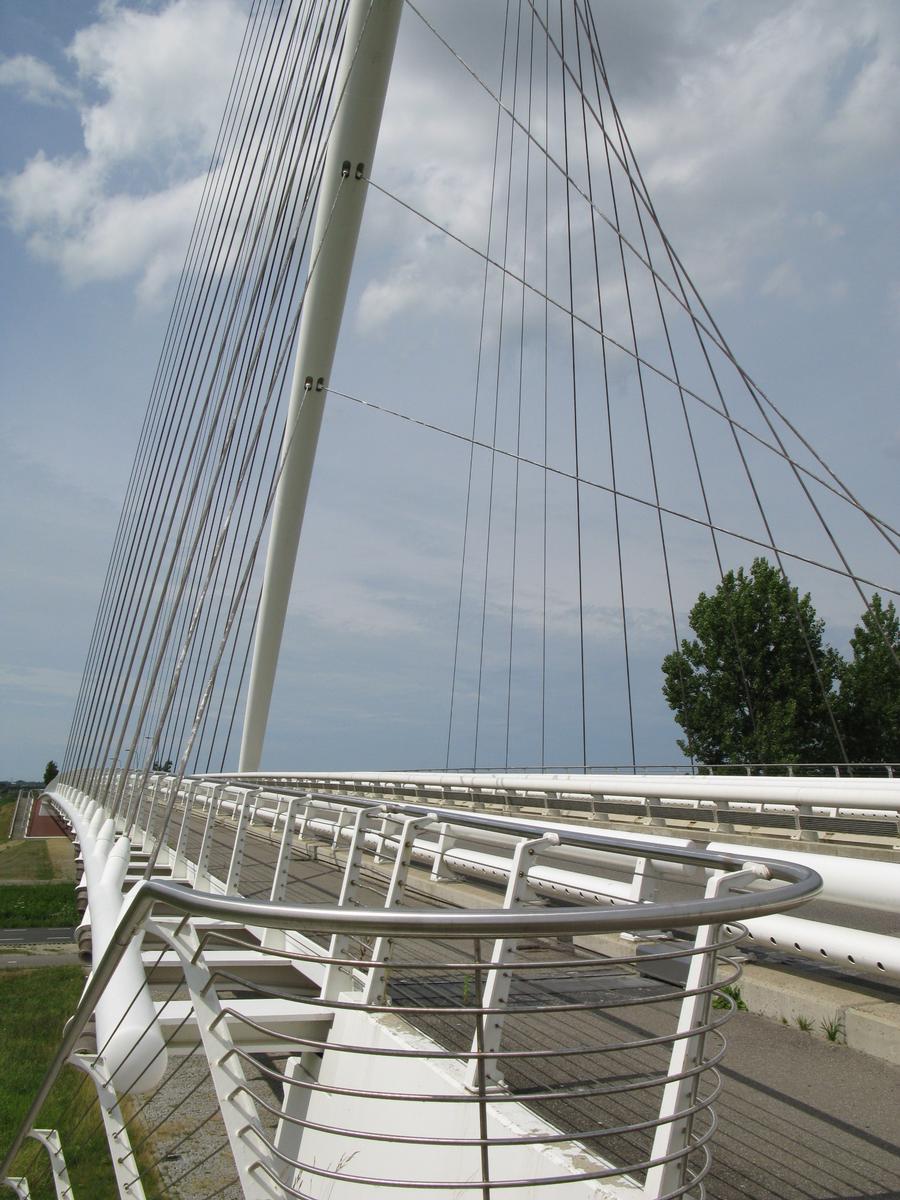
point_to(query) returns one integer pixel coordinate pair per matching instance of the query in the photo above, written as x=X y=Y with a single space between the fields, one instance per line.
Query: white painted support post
x=178 y=857
x=381 y=838
x=726 y=825
x=805 y=835
x=127 y=1177
x=644 y=888
x=375 y=991
x=361 y=86
x=49 y=1139
x=146 y=837
x=338 y=978
x=673 y=1135
x=255 y=806
x=289 y=1133
x=304 y=818
x=236 y=1102
x=237 y=850
x=495 y=992
x=19 y=1185
x=445 y=843
x=201 y=870
x=282 y=866
x=343 y=819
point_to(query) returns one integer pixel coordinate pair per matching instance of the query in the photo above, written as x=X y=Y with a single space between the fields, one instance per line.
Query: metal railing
x=804 y=808
x=413 y=1051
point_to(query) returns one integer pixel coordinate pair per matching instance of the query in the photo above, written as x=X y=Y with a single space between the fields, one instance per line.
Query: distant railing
x=803 y=807
x=836 y=770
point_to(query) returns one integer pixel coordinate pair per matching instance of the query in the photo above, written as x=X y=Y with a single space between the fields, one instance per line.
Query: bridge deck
x=799 y=1118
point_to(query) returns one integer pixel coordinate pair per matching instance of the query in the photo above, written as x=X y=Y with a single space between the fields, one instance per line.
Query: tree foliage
x=50 y=771
x=751 y=687
x=869 y=703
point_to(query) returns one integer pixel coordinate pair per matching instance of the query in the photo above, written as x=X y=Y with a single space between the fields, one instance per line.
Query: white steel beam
x=361 y=86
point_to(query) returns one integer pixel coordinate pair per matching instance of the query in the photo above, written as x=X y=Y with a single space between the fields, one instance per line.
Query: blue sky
x=769 y=136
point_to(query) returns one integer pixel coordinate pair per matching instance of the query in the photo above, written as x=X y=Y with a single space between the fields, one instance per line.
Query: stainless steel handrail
x=801 y=884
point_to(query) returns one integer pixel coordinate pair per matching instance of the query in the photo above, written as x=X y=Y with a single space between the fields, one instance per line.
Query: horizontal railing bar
x=802 y=883
x=785 y=789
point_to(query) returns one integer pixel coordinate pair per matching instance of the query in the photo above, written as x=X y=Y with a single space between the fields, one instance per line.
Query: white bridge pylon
x=361 y=86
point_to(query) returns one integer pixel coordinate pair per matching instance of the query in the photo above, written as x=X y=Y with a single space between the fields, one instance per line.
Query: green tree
x=50 y=771
x=749 y=687
x=869 y=703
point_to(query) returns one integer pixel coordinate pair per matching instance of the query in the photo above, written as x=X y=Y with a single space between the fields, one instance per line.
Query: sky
x=768 y=135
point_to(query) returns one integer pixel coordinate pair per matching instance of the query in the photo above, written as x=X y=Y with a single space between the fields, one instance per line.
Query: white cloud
x=41 y=681
x=783 y=281
x=35 y=81
x=802 y=101
x=161 y=75
x=152 y=85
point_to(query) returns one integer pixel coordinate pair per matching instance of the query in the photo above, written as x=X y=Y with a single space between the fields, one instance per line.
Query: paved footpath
x=802 y=1118
x=44 y=822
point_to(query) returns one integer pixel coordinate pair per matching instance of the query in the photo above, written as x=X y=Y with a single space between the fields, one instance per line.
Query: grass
x=834 y=1029
x=34 y=1006
x=25 y=860
x=804 y=1023
x=37 y=905
x=7 y=808
x=727 y=996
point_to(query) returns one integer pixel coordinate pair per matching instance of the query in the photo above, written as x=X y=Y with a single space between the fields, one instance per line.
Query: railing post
x=446 y=842
x=375 y=989
x=499 y=981
x=178 y=856
x=236 y=1102
x=120 y=1152
x=201 y=870
x=337 y=977
x=673 y=1132
x=49 y=1139
x=237 y=851
x=282 y=866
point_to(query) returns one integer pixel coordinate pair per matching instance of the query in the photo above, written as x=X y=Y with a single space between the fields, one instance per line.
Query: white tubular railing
x=806 y=807
x=125 y=1017
x=600 y=876
x=508 y=1068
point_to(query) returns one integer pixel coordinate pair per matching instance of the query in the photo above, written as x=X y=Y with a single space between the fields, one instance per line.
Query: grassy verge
x=25 y=860
x=7 y=808
x=34 y=1006
x=37 y=905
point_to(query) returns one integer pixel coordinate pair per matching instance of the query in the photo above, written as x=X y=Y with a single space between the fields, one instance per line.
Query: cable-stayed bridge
x=374 y=982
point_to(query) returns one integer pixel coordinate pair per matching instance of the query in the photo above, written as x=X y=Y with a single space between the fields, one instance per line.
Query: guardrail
x=805 y=807
x=487 y=805
x=508 y=1068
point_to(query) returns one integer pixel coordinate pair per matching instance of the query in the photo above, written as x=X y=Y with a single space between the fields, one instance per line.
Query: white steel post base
x=121 y=1154
x=49 y=1139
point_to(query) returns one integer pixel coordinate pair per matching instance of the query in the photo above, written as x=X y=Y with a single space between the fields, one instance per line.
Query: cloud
x=738 y=115
x=35 y=81
x=768 y=104
x=39 y=681
x=150 y=92
x=783 y=281
x=161 y=75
